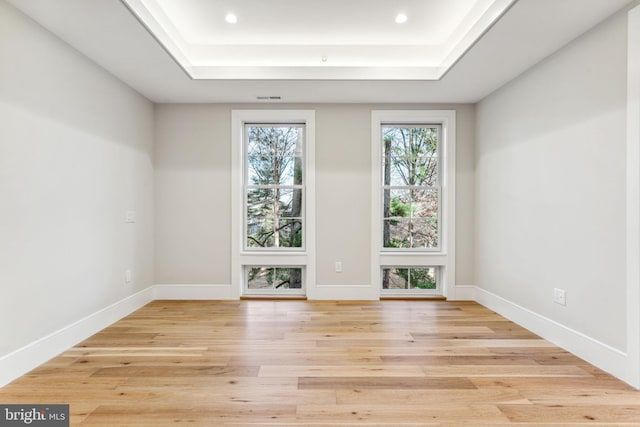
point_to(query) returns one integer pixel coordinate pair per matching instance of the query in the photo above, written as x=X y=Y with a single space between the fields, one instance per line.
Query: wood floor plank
x=385 y=383
x=458 y=360
x=214 y=383
x=177 y=371
x=304 y=360
x=212 y=415
x=436 y=397
x=341 y=371
x=573 y=414
x=580 y=397
x=324 y=363
x=421 y=414
x=470 y=371
x=349 y=336
x=457 y=333
x=541 y=384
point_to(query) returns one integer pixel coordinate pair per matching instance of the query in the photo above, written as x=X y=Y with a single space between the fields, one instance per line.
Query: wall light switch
x=559 y=296
x=130 y=216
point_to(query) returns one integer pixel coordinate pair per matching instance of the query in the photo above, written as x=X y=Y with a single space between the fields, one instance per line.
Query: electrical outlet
x=559 y=296
x=127 y=276
x=338 y=266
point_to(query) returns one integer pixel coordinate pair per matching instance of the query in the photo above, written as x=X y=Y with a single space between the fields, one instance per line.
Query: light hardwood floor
x=286 y=363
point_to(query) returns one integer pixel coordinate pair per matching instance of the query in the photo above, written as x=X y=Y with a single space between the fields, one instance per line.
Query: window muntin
x=274 y=189
x=411 y=187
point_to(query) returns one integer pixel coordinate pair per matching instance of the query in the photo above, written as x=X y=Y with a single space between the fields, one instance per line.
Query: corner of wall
x=633 y=198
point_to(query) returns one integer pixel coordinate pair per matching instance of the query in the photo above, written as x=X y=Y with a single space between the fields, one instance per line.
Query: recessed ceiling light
x=401 y=18
x=231 y=18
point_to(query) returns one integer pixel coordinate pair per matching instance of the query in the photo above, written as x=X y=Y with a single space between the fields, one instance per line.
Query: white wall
x=75 y=154
x=193 y=169
x=550 y=190
x=193 y=194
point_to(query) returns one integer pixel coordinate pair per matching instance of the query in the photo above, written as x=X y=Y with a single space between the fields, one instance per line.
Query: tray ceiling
x=308 y=39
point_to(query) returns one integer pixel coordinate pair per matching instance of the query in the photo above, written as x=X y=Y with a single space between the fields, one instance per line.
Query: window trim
x=240 y=257
x=444 y=257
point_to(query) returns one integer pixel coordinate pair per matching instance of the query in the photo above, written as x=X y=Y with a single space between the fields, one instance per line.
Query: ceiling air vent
x=268 y=97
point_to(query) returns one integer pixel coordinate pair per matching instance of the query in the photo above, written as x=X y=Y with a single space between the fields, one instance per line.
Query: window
x=410 y=187
x=273 y=243
x=274 y=170
x=260 y=279
x=413 y=163
x=410 y=278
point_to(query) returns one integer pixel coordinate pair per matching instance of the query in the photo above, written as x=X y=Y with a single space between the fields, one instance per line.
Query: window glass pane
x=409 y=278
x=281 y=202
x=260 y=218
x=423 y=233
x=422 y=278
x=260 y=201
x=291 y=202
x=260 y=232
x=260 y=278
x=410 y=218
x=410 y=156
x=264 y=170
x=274 y=186
x=395 y=278
x=274 y=217
x=274 y=278
x=275 y=140
x=290 y=233
x=274 y=155
x=396 y=233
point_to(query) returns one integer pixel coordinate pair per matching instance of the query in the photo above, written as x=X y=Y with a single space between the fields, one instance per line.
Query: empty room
x=319 y=213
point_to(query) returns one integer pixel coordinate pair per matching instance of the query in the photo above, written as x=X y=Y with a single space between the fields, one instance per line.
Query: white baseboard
x=463 y=293
x=603 y=356
x=23 y=360
x=195 y=292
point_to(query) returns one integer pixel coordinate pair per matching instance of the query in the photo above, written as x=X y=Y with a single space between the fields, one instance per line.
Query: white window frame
x=271 y=257
x=444 y=256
